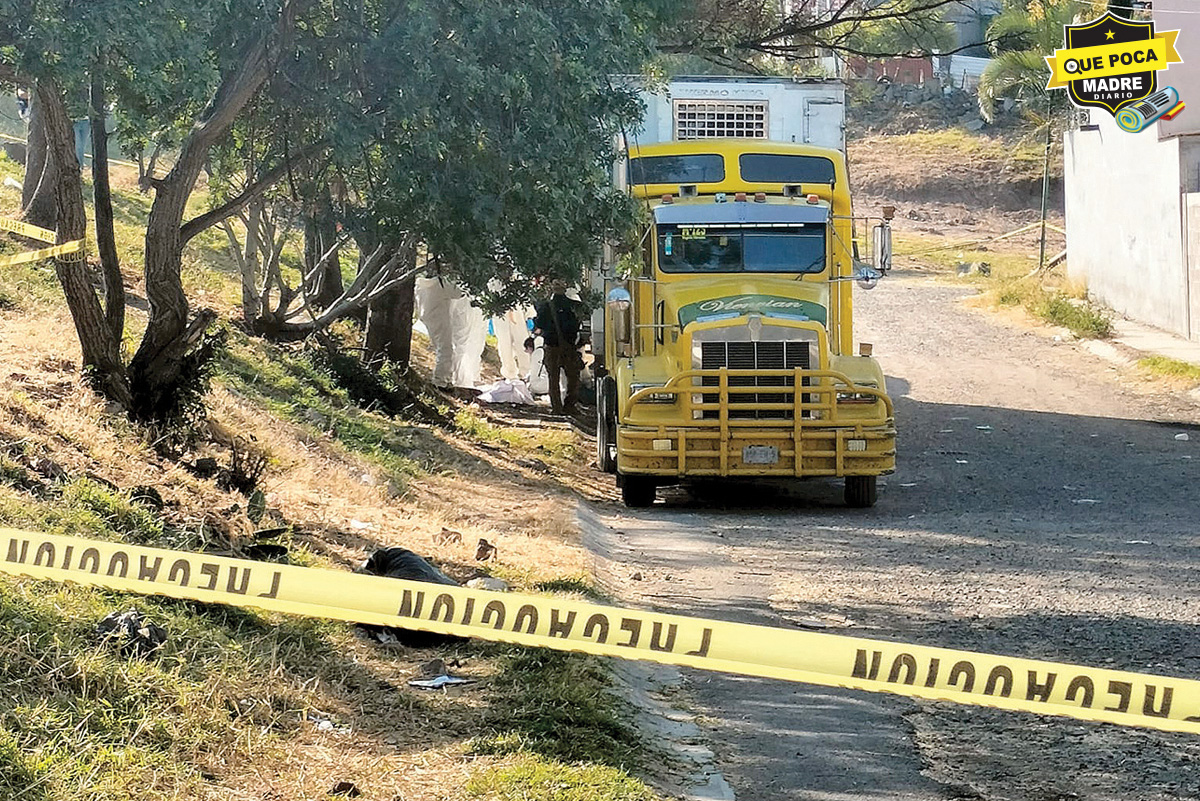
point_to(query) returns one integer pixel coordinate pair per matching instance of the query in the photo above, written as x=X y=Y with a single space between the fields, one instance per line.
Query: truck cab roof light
x=813 y=199
x=760 y=197
x=740 y=197
x=667 y=198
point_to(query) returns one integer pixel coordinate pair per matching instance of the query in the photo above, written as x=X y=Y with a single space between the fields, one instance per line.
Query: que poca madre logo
x=1113 y=63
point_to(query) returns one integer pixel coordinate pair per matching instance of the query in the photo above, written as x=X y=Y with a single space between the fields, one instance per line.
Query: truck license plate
x=760 y=454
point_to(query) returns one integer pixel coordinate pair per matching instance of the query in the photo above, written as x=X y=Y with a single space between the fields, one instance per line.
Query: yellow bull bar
x=820 y=439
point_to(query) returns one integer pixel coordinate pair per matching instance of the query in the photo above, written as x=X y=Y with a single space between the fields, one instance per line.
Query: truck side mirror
x=867 y=277
x=619 y=303
x=882 y=246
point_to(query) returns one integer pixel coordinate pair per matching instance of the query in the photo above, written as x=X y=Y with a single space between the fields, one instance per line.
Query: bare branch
x=235 y=204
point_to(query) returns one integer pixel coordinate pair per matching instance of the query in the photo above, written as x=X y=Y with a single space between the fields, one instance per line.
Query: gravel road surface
x=1042 y=507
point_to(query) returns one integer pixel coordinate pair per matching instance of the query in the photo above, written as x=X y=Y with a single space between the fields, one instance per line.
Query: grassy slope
x=235 y=705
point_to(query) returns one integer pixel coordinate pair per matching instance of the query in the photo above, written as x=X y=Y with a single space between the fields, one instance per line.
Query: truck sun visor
x=738 y=213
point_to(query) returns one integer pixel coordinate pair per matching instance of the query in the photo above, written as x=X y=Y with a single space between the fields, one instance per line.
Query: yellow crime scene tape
x=27 y=230
x=938 y=674
x=40 y=234
x=44 y=253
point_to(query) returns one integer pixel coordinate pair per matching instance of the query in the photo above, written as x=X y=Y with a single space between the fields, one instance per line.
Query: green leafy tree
x=480 y=129
x=1025 y=34
x=920 y=31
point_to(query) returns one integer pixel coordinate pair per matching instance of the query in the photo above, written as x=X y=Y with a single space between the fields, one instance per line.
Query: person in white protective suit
x=539 y=379
x=511 y=331
x=457 y=331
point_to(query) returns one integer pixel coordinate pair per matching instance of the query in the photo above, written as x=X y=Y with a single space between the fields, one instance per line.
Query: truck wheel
x=637 y=491
x=860 y=491
x=606 y=424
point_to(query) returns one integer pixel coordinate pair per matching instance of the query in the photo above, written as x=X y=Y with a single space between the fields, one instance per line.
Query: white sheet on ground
x=506 y=391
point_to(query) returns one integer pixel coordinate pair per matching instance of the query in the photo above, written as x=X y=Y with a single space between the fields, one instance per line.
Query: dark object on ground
x=402 y=563
x=485 y=551
x=131 y=633
x=265 y=551
x=147 y=496
x=347 y=789
x=204 y=467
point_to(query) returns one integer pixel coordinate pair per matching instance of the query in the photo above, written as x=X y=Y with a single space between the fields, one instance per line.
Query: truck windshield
x=727 y=249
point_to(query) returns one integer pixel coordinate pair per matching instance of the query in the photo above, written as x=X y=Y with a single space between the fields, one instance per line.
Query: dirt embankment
x=954 y=166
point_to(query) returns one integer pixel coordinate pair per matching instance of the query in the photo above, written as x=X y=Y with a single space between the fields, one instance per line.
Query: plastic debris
x=447 y=536
x=488 y=583
x=1085 y=500
x=439 y=682
x=484 y=551
x=1182 y=437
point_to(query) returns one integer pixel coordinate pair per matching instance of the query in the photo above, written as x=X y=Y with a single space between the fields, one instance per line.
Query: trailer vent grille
x=754 y=356
x=719 y=119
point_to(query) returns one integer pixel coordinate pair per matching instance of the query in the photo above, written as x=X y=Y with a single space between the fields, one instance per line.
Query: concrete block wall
x=1125 y=221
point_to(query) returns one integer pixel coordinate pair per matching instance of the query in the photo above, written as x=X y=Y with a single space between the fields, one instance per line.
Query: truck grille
x=754 y=356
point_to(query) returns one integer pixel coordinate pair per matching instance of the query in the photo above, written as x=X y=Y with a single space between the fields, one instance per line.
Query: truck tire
x=637 y=491
x=861 y=491
x=606 y=424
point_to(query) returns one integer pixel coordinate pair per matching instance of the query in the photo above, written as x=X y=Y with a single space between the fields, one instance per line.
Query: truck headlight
x=859 y=397
x=654 y=397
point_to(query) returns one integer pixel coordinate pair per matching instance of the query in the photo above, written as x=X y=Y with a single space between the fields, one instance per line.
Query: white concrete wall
x=1125 y=222
x=1180 y=15
x=1192 y=233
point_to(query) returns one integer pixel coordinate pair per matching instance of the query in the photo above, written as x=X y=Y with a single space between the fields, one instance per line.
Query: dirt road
x=1042 y=507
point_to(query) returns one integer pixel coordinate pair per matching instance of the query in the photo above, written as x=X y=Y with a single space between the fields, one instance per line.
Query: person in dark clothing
x=557 y=321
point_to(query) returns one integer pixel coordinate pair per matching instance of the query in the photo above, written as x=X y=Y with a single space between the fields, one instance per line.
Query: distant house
x=1133 y=200
x=971 y=19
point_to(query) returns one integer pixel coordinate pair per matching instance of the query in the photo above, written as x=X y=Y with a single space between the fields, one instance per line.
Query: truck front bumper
x=690 y=451
x=720 y=426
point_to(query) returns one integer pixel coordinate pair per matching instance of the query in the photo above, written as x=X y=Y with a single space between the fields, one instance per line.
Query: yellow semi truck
x=726 y=347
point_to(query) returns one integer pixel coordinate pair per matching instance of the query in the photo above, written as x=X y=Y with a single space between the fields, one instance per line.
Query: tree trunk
x=106 y=240
x=37 y=192
x=325 y=285
x=251 y=307
x=101 y=350
x=390 y=322
x=157 y=367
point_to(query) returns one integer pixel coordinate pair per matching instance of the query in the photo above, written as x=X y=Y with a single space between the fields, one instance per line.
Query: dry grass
x=232 y=707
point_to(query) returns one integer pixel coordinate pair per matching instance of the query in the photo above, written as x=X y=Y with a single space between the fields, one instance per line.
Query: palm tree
x=1025 y=33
